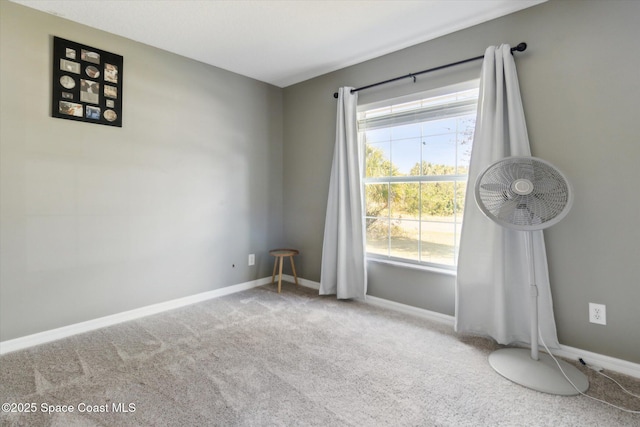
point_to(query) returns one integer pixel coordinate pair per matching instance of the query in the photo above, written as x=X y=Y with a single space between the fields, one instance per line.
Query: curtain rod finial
x=521 y=47
x=335 y=95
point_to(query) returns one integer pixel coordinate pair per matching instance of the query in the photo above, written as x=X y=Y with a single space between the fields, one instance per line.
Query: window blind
x=416 y=115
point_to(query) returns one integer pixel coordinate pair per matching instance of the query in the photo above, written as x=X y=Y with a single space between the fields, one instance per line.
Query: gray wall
x=98 y=220
x=580 y=85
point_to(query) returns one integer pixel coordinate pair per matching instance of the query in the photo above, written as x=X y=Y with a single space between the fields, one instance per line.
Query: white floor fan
x=529 y=194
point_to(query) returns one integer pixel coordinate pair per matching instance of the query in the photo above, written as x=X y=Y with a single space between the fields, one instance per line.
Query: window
x=416 y=166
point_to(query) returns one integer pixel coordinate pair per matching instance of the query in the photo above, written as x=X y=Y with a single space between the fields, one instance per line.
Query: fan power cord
x=631 y=411
x=599 y=370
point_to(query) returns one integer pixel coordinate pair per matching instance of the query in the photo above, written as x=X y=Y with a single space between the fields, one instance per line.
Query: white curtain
x=343 y=270
x=492 y=287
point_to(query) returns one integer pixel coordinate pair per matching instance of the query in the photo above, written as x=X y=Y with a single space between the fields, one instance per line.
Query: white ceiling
x=281 y=42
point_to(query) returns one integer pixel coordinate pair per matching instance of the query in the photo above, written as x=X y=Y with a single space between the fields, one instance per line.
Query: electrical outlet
x=252 y=259
x=598 y=313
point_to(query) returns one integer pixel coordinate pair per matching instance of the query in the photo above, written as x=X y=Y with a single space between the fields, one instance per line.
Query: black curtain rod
x=521 y=47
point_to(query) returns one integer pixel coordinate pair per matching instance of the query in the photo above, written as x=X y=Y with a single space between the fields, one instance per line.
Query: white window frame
x=474 y=84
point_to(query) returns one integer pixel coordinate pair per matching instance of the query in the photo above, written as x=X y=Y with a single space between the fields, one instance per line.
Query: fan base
x=543 y=375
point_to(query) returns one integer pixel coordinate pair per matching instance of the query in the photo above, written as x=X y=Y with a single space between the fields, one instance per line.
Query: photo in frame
x=86 y=84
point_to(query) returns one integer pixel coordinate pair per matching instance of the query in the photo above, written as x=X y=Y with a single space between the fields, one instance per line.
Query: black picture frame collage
x=87 y=83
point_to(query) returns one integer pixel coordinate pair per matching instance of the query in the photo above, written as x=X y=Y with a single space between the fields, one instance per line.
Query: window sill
x=430 y=269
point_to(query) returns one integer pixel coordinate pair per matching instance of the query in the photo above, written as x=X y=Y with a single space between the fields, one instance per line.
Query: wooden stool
x=280 y=254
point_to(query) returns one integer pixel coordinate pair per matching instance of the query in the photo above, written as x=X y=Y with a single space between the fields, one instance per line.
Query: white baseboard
x=409 y=309
x=101 y=322
x=304 y=282
x=385 y=303
x=599 y=360
x=594 y=359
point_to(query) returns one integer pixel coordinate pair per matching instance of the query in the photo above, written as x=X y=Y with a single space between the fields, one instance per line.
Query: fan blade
x=506 y=209
x=539 y=209
x=547 y=186
x=521 y=170
x=494 y=187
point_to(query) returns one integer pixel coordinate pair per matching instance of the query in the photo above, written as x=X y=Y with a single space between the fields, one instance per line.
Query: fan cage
x=548 y=202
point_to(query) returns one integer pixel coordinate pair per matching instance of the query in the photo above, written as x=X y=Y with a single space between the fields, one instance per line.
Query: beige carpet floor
x=259 y=358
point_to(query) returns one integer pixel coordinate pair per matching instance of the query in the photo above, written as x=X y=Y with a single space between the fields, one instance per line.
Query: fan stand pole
x=533 y=291
x=529 y=368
